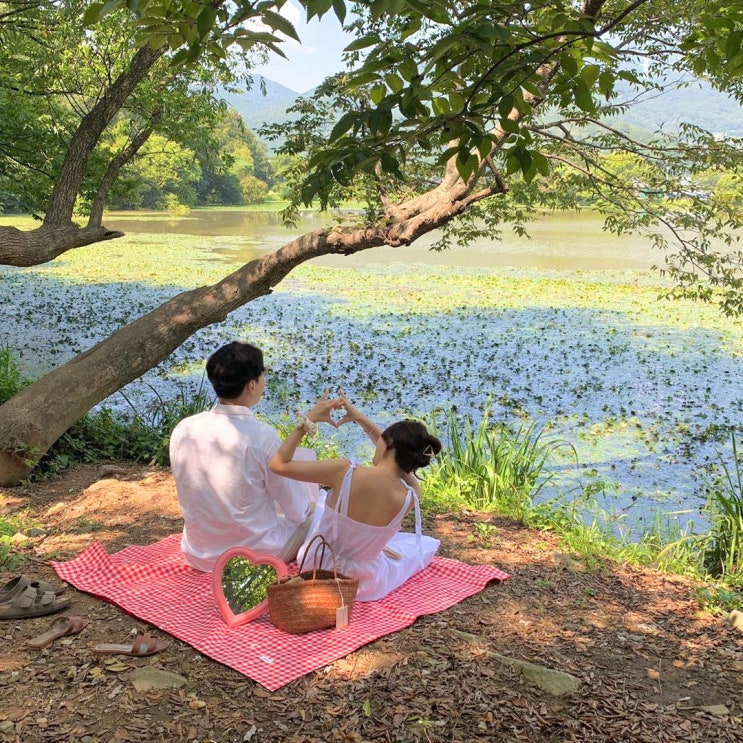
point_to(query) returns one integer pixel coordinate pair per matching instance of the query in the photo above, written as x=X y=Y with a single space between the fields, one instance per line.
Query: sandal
x=61 y=627
x=144 y=644
x=15 y=586
x=33 y=600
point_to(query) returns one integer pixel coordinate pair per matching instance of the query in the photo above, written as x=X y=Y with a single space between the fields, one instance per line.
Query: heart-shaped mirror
x=240 y=583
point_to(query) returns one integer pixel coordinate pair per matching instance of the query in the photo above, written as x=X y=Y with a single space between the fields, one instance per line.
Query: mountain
x=699 y=104
x=258 y=109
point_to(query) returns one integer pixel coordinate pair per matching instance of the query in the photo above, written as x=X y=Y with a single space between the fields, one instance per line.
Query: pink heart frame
x=235 y=620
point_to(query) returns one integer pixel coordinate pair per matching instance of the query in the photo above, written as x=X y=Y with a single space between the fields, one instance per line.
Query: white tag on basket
x=341 y=617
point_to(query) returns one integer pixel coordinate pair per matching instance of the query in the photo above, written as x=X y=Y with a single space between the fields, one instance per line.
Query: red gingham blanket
x=155 y=584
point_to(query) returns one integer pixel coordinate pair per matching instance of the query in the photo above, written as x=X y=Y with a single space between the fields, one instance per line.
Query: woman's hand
x=322 y=409
x=352 y=414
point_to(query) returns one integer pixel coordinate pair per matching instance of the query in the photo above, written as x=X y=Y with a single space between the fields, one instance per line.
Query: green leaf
x=363 y=43
x=277 y=22
x=526 y=161
x=366 y=707
x=505 y=106
x=205 y=21
x=390 y=164
x=380 y=121
x=541 y=163
x=590 y=74
x=606 y=83
x=440 y=106
x=408 y=69
x=339 y=8
x=568 y=64
x=318 y=8
x=92 y=14
x=359 y=81
x=394 y=83
x=584 y=100
x=732 y=45
x=377 y=93
x=509 y=126
x=343 y=125
x=513 y=164
x=467 y=164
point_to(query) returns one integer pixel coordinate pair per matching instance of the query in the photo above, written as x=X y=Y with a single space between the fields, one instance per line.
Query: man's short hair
x=231 y=367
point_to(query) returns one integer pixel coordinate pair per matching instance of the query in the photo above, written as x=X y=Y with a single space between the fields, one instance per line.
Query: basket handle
x=320 y=547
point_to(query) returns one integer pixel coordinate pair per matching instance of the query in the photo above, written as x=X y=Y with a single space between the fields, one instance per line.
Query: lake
x=566 y=329
x=563 y=241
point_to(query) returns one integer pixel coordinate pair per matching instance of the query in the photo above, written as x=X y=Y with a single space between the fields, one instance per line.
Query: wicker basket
x=299 y=606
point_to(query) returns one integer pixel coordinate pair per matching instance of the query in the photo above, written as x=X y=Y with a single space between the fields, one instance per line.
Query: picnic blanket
x=154 y=584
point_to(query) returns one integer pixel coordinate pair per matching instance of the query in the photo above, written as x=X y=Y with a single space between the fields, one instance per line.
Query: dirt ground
x=653 y=667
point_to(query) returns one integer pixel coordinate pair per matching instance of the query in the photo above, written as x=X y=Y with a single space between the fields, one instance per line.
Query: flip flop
x=61 y=627
x=144 y=644
x=33 y=600
x=17 y=584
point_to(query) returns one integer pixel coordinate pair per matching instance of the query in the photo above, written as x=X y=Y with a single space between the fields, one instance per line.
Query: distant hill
x=258 y=109
x=697 y=104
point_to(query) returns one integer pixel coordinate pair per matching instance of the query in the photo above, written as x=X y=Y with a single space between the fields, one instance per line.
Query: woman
x=362 y=513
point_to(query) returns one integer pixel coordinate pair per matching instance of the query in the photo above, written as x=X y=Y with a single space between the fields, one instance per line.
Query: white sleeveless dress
x=358 y=547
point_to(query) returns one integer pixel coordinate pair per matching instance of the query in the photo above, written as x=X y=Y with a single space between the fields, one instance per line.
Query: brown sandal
x=32 y=600
x=61 y=627
x=144 y=644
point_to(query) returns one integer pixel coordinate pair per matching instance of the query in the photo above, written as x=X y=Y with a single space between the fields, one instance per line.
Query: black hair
x=414 y=446
x=231 y=367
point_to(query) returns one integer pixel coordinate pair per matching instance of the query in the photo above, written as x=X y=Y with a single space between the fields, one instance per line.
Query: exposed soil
x=651 y=663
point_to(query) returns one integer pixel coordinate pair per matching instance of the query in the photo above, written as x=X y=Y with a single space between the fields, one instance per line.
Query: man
x=228 y=495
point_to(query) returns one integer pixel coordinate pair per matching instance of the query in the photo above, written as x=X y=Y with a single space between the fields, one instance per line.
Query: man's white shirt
x=228 y=495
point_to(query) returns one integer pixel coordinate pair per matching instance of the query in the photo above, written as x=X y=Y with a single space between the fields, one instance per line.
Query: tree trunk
x=32 y=420
x=32 y=247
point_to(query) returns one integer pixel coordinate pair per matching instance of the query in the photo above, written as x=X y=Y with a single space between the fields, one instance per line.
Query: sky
x=310 y=62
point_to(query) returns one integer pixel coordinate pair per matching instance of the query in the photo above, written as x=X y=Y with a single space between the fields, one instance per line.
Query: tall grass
x=723 y=546
x=490 y=466
x=11 y=379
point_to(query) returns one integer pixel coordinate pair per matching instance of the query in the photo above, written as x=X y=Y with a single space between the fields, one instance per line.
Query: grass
x=488 y=467
x=491 y=467
x=723 y=546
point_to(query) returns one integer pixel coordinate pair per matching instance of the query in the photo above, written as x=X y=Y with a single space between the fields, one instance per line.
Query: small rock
x=735 y=620
x=717 y=709
x=35 y=532
x=147 y=678
x=557 y=683
x=7 y=726
x=469 y=638
x=737 y=665
x=111 y=469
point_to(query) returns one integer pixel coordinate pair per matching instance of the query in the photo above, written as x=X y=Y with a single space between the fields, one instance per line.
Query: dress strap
x=341 y=502
x=418 y=519
x=418 y=524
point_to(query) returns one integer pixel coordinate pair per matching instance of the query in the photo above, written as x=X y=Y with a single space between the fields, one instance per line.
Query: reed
x=490 y=466
x=723 y=544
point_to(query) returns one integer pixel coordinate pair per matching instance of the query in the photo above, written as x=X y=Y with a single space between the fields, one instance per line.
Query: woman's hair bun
x=414 y=446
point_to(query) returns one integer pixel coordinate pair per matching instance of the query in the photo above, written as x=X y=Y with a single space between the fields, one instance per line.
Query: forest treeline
x=176 y=175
